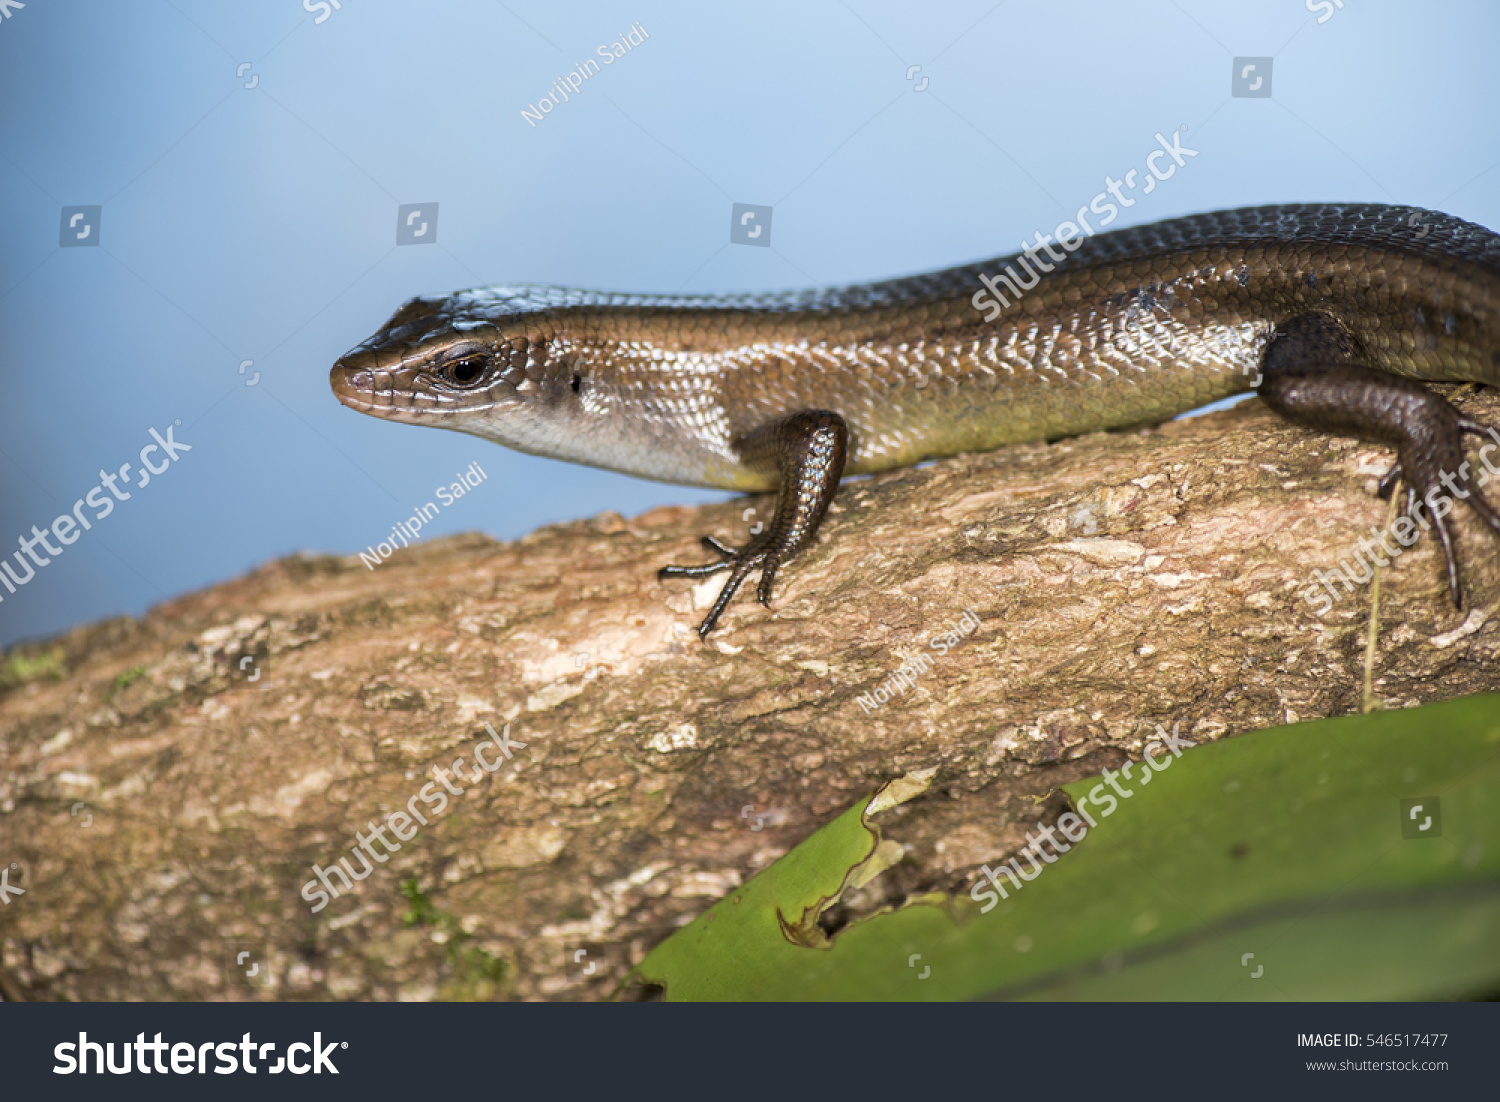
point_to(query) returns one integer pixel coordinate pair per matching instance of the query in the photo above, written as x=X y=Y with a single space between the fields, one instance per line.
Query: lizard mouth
x=364 y=388
x=398 y=394
x=402 y=392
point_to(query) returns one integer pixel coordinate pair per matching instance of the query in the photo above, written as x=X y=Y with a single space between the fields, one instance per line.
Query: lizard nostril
x=351 y=382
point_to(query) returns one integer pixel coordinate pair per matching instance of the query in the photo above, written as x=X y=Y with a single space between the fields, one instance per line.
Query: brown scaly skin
x=1329 y=310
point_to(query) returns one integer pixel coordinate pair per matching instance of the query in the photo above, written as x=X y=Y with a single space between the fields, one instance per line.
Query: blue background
x=259 y=223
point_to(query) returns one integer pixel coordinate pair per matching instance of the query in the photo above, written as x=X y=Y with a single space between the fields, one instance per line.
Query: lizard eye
x=467 y=371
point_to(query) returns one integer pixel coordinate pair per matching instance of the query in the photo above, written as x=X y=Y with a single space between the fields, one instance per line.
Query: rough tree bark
x=1120 y=580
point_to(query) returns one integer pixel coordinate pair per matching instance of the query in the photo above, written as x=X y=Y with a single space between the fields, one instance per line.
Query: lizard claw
x=1388 y=484
x=727 y=556
x=758 y=553
x=1433 y=467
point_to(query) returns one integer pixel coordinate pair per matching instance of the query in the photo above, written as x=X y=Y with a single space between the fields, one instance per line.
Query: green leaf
x=1286 y=844
x=770 y=924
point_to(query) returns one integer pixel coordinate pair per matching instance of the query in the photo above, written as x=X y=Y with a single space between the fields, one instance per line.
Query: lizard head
x=456 y=361
x=528 y=366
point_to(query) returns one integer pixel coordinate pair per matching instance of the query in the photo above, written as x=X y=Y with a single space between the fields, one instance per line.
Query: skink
x=1333 y=313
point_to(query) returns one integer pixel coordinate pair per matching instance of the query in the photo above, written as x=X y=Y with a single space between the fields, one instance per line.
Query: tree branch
x=1119 y=581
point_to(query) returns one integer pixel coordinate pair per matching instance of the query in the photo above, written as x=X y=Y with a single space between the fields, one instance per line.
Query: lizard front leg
x=807 y=450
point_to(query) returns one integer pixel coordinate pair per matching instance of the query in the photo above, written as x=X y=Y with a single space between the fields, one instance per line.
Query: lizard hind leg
x=807 y=450
x=1313 y=375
